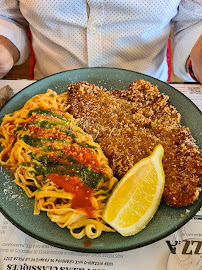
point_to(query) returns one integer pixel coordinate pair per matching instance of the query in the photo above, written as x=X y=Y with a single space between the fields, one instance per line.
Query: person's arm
x=9 y=55
x=187 y=30
x=14 y=48
x=196 y=59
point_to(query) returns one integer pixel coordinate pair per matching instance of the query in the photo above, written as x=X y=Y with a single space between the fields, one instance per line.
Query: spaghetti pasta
x=58 y=164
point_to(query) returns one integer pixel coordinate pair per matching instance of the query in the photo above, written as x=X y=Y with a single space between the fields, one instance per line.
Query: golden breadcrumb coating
x=128 y=124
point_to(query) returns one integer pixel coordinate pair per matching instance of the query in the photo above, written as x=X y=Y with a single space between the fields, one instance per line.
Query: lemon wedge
x=136 y=197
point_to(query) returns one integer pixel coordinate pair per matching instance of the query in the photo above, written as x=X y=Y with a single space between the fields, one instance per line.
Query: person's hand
x=9 y=55
x=196 y=59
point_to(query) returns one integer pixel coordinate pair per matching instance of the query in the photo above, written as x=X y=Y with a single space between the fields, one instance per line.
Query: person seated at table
x=122 y=34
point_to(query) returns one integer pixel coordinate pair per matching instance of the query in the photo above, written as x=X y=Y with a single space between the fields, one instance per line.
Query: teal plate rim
x=18 y=209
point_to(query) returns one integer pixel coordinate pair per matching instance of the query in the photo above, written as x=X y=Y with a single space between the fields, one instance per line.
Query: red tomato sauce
x=45 y=133
x=87 y=243
x=82 y=193
x=85 y=156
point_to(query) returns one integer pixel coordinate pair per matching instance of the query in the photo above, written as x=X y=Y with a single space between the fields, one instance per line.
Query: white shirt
x=128 y=34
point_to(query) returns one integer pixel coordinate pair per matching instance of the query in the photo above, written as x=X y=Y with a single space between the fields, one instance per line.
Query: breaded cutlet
x=128 y=124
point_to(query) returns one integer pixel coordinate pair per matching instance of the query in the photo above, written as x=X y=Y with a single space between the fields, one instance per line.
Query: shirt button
x=93 y=29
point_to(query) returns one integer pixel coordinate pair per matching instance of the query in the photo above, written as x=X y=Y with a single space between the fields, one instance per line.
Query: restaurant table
x=179 y=251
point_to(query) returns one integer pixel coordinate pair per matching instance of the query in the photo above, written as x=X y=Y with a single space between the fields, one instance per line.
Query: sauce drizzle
x=82 y=193
x=87 y=243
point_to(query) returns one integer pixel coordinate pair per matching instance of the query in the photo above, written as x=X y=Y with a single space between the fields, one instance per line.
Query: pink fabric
x=168 y=55
x=32 y=58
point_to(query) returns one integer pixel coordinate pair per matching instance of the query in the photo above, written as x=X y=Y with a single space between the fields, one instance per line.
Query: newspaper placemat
x=193 y=91
x=179 y=251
